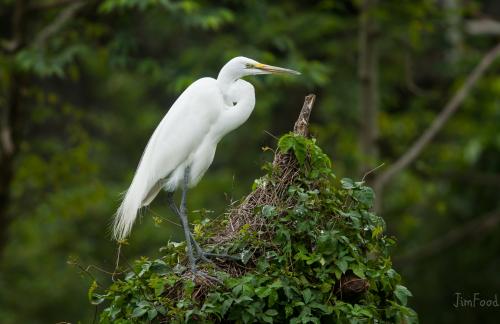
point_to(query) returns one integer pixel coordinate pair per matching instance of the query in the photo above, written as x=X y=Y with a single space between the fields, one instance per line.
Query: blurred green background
x=84 y=83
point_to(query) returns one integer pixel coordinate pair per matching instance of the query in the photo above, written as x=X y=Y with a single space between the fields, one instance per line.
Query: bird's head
x=242 y=66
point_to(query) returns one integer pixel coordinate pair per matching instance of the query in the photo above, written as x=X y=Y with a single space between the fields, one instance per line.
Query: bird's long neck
x=226 y=78
x=245 y=102
x=242 y=94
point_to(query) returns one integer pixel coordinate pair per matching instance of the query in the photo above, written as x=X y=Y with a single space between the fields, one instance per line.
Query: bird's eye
x=249 y=65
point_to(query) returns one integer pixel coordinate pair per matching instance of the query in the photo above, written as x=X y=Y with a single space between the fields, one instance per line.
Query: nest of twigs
x=271 y=192
x=203 y=285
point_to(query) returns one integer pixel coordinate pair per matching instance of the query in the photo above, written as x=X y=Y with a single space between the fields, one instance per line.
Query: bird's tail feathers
x=127 y=212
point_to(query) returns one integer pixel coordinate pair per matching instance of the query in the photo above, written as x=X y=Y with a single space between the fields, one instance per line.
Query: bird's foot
x=206 y=256
x=200 y=254
x=202 y=257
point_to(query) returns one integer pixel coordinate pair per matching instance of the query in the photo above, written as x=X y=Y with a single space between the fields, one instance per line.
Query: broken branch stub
x=302 y=124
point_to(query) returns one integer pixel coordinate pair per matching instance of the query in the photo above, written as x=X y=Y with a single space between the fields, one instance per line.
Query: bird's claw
x=203 y=257
x=221 y=256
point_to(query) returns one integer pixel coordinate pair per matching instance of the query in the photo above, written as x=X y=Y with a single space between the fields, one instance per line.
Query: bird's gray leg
x=206 y=255
x=187 y=233
x=175 y=210
x=184 y=220
x=199 y=251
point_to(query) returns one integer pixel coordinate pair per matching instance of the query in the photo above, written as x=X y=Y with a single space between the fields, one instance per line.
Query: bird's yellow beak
x=274 y=69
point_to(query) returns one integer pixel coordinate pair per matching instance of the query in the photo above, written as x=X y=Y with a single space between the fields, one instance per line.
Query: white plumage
x=188 y=135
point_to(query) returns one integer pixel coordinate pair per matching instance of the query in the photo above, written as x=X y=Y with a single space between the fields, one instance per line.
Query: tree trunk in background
x=10 y=130
x=10 y=122
x=368 y=77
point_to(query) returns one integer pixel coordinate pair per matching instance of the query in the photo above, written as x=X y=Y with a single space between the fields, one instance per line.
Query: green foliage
x=314 y=163
x=37 y=61
x=196 y=14
x=296 y=265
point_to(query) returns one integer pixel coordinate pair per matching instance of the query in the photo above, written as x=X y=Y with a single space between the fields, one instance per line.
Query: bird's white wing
x=182 y=129
x=177 y=136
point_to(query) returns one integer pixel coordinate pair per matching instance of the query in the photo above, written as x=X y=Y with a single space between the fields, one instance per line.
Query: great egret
x=183 y=145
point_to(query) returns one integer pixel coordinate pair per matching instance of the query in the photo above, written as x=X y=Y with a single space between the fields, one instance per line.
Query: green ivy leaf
x=365 y=195
x=347 y=183
x=307 y=295
x=273 y=298
x=402 y=293
x=271 y=312
x=262 y=292
x=152 y=314
x=226 y=305
x=342 y=265
x=285 y=143
x=359 y=270
x=138 y=312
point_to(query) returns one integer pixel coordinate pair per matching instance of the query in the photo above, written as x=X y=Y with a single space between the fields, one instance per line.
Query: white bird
x=183 y=145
